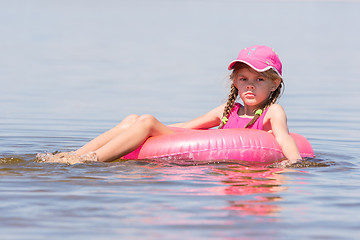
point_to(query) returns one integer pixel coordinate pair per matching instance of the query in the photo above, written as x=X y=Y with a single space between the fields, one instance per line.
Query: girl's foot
x=67 y=157
x=89 y=157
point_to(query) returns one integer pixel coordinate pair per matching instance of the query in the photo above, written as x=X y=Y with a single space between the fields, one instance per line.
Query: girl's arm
x=280 y=130
x=208 y=120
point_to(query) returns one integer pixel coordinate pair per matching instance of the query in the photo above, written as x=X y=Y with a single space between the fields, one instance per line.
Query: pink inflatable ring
x=214 y=145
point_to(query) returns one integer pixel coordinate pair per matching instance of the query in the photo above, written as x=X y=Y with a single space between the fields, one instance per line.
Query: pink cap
x=259 y=58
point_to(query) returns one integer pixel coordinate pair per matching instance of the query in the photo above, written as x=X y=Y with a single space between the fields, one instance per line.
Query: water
x=72 y=69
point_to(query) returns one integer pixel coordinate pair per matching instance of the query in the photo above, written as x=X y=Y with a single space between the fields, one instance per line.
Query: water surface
x=72 y=69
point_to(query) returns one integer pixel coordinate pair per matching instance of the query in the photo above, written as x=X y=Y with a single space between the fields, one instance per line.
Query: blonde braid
x=229 y=104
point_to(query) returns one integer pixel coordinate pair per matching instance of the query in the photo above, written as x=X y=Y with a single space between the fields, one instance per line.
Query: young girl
x=256 y=79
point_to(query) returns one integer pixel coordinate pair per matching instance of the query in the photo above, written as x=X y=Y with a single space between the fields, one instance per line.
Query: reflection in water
x=253 y=181
x=258 y=185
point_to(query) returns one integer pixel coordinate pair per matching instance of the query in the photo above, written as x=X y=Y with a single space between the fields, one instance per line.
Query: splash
x=11 y=160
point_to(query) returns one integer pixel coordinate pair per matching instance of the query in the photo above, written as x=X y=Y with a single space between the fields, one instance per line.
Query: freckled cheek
x=238 y=88
x=238 y=85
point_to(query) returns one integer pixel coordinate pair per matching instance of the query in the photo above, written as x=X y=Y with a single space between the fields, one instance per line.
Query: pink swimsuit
x=234 y=121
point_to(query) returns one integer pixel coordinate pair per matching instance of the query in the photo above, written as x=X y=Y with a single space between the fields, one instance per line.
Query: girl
x=256 y=79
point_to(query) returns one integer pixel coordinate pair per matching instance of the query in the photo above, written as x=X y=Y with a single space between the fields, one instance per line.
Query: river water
x=73 y=69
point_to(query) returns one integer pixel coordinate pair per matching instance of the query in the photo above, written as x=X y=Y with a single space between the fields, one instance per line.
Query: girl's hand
x=285 y=163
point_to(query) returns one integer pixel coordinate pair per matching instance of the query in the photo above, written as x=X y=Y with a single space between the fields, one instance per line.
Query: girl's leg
x=131 y=138
x=106 y=137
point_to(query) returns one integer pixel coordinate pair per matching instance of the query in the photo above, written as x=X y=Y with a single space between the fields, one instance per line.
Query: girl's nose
x=250 y=86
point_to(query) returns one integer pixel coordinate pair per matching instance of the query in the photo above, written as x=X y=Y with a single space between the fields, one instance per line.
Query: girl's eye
x=242 y=79
x=260 y=79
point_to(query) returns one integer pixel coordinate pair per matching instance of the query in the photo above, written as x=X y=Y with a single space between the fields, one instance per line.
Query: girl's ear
x=277 y=83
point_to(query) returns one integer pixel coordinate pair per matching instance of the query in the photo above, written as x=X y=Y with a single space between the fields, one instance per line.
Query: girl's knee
x=129 y=120
x=147 y=120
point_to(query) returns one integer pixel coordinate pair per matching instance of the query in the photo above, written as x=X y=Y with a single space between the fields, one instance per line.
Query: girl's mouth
x=249 y=94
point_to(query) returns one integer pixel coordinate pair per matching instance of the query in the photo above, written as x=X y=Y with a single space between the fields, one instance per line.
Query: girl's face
x=254 y=89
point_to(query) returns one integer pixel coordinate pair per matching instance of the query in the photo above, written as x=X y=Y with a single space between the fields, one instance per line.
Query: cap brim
x=259 y=68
